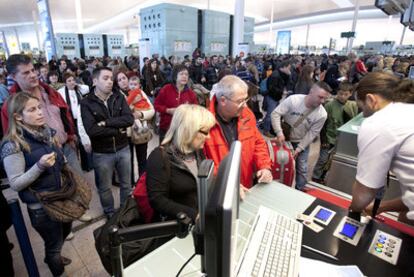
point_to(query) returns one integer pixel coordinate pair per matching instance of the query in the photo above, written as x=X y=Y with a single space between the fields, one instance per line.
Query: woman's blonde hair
x=187 y=121
x=16 y=105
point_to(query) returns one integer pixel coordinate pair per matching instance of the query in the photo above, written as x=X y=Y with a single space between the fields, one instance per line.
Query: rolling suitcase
x=283 y=164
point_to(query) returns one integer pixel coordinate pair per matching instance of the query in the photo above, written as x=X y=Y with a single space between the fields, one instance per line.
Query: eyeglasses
x=239 y=103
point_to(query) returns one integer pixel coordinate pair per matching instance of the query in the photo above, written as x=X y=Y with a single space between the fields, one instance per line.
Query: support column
x=238 y=26
x=271 y=25
x=350 y=41
x=402 y=35
x=47 y=28
x=36 y=26
x=19 y=47
x=6 y=48
x=307 y=36
x=78 y=10
x=128 y=35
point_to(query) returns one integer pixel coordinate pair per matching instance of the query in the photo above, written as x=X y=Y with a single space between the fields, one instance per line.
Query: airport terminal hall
x=206 y=138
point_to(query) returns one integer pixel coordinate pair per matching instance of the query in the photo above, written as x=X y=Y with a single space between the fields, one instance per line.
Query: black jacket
x=331 y=77
x=111 y=137
x=171 y=187
x=276 y=83
x=211 y=75
x=196 y=73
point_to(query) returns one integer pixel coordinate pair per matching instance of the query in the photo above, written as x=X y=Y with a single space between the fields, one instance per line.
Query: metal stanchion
x=23 y=238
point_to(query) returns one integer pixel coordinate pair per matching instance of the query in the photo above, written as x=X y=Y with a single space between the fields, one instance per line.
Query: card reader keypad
x=386 y=247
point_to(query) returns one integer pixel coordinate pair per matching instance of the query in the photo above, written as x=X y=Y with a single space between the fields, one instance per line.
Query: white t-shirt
x=386 y=142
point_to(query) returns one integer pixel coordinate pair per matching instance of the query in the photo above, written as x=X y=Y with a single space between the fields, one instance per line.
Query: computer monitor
x=221 y=214
x=407 y=17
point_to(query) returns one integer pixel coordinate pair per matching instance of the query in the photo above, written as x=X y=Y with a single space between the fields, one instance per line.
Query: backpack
x=140 y=193
x=263 y=87
x=126 y=216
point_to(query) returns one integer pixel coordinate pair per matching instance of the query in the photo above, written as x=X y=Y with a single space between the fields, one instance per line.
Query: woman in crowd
x=305 y=80
x=172 y=168
x=121 y=81
x=143 y=110
x=33 y=162
x=166 y=69
x=53 y=80
x=73 y=93
x=173 y=95
x=153 y=77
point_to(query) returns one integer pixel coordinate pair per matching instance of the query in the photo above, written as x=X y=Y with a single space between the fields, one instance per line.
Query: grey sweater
x=291 y=109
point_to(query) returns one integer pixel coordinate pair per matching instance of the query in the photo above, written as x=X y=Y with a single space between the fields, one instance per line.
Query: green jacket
x=338 y=115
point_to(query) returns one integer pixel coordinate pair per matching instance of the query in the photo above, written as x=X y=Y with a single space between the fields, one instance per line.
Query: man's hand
x=280 y=139
x=297 y=152
x=203 y=79
x=102 y=124
x=243 y=191
x=73 y=143
x=362 y=196
x=264 y=176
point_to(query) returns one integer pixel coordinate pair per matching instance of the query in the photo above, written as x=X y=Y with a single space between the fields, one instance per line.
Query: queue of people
x=105 y=109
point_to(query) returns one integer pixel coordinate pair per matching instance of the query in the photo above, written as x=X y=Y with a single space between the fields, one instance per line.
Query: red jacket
x=170 y=98
x=55 y=99
x=255 y=154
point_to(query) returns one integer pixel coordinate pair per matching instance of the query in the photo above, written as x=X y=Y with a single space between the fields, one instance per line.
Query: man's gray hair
x=229 y=85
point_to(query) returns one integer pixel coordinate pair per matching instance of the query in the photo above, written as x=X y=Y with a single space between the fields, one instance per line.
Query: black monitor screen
x=221 y=216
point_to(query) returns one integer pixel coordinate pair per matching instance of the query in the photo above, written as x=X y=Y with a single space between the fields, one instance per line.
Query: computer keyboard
x=273 y=247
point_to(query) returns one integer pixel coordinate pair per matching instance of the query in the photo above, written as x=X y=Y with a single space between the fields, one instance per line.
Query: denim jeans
x=53 y=234
x=320 y=170
x=271 y=104
x=301 y=167
x=104 y=165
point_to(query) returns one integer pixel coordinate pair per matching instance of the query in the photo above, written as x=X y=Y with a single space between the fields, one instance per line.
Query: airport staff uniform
x=386 y=142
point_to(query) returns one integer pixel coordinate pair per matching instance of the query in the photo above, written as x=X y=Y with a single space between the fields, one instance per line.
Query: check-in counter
x=343 y=169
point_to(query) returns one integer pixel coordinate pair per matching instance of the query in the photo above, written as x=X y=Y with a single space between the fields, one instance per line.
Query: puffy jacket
x=255 y=154
x=170 y=98
x=111 y=137
x=55 y=99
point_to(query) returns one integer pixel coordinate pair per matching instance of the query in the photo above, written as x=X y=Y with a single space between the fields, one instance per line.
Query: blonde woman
x=33 y=162
x=172 y=168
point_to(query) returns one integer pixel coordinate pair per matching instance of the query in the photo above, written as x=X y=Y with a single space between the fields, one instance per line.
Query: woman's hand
x=138 y=115
x=243 y=191
x=47 y=160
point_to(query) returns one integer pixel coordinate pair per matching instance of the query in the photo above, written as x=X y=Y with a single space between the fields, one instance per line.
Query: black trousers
x=141 y=153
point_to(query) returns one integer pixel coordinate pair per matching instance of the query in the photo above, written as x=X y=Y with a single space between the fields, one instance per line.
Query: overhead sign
x=348 y=35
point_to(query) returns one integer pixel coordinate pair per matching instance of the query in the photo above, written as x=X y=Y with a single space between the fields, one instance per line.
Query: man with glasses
x=237 y=122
